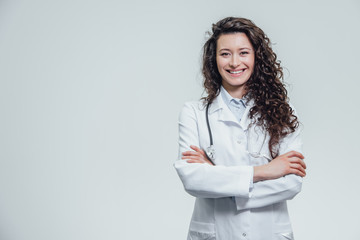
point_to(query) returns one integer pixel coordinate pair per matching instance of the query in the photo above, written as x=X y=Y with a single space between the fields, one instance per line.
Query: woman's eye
x=225 y=54
x=243 y=53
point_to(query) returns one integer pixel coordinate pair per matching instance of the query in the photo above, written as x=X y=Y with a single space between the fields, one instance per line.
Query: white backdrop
x=90 y=93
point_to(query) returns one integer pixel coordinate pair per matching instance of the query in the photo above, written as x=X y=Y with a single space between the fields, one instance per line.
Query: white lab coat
x=258 y=211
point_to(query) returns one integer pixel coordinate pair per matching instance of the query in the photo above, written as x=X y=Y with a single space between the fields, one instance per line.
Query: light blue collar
x=227 y=98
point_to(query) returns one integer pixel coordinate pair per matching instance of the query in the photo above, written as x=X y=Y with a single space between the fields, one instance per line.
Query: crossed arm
x=288 y=163
x=277 y=181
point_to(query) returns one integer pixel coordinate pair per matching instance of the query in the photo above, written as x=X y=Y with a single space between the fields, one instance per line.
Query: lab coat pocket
x=283 y=232
x=284 y=236
x=201 y=231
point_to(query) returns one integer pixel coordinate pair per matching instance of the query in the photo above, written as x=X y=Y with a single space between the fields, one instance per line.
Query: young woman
x=240 y=147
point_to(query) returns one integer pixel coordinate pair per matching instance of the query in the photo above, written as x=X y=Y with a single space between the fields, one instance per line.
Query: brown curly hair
x=271 y=108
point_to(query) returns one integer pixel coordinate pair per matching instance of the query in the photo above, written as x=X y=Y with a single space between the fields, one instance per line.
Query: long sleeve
x=285 y=188
x=203 y=180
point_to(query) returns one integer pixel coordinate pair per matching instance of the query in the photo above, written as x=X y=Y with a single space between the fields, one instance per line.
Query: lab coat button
x=244 y=234
x=238 y=141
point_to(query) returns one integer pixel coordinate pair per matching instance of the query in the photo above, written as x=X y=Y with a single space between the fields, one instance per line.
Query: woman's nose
x=235 y=62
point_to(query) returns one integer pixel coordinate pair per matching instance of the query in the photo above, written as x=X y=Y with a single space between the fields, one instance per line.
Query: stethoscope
x=210 y=151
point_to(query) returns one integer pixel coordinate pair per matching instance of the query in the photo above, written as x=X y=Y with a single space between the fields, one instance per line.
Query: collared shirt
x=236 y=106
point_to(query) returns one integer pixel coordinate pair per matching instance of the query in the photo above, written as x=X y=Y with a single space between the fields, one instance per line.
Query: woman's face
x=235 y=60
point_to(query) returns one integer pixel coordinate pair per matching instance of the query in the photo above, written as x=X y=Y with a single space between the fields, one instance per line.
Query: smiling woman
x=235 y=61
x=241 y=186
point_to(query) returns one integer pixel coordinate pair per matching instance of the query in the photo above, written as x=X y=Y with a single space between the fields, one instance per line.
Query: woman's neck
x=235 y=92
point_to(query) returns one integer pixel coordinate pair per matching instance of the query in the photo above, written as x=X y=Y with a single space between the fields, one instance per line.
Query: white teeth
x=232 y=72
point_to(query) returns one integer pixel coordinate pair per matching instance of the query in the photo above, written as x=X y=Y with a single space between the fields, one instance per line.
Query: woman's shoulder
x=192 y=109
x=198 y=105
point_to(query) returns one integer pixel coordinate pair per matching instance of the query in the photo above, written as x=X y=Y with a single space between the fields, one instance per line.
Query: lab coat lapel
x=223 y=112
x=227 y=116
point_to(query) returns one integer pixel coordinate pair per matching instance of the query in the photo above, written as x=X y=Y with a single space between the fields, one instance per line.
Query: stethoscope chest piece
x=210 y=153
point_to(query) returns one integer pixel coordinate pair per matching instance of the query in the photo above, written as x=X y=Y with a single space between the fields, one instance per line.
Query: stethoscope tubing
x=211 y=148
x=208 y=124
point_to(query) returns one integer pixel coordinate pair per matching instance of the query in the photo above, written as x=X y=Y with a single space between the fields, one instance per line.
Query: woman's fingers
x=196 y=156
x=191 y=157
x=191 y=153
x=297 y=172
x=294 y=154
x=197 y=149
x=298 y=167
x=195 y=161
x=298 y=161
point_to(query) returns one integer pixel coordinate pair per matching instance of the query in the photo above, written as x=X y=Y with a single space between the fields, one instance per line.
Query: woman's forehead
x=236 y=40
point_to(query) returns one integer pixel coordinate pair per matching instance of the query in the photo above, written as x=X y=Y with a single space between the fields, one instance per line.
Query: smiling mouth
x=235 y=72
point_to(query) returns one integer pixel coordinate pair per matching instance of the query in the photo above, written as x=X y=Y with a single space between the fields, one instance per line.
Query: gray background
x=90 y=93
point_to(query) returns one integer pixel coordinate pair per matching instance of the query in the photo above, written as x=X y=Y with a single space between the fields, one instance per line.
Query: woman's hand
x=288 y=163
x=196 y=156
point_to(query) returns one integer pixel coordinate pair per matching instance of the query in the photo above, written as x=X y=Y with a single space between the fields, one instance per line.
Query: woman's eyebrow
x=224 y=49
x=243 y=48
